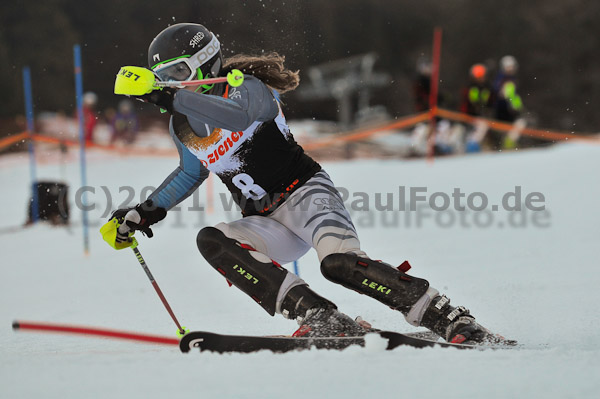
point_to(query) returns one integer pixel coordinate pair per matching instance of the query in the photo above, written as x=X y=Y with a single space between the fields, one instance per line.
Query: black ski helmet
x=185 y=52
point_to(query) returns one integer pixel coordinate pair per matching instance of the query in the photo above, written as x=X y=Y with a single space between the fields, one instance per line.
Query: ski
x=222 y=343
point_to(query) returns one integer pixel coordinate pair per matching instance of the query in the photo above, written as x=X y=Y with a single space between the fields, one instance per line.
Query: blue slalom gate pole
x=296 y=270
x=79 y=98
x=30 y=146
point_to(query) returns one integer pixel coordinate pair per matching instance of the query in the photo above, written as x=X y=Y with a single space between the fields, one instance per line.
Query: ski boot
x=420 y=304
x=328 y=322
x=317 y=316
x=457 y=325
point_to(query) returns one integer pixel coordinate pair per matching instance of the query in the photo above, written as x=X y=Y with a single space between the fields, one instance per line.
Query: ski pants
x=313 y=216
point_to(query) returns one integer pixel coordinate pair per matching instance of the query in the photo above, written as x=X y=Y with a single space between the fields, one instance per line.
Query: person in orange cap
x=476 y=98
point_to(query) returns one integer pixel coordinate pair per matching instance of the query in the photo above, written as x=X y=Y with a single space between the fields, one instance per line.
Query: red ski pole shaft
x=140 y=259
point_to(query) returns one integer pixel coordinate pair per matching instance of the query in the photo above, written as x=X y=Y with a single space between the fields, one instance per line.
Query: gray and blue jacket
x=244 y=139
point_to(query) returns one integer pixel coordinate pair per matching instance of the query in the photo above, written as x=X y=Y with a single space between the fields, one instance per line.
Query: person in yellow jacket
x=477 y=98
x=508 y=104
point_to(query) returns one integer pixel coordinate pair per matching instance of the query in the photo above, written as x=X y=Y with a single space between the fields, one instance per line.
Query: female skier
x=288 y=202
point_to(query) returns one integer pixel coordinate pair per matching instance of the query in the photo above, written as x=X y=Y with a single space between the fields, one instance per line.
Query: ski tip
x=16 y=325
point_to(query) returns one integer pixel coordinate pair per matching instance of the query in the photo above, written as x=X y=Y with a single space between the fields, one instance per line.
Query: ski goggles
x=177 y=70
x=185 y=67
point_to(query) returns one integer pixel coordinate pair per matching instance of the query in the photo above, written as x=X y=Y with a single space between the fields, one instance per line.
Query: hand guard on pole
x=141 y=83
x=110 y=234
x=119 y=230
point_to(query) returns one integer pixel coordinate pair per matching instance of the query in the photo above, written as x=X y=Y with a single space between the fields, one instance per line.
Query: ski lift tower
x=342 y=80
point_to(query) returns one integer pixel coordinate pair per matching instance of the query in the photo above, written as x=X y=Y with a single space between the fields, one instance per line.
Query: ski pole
x=181 y=330
x=235 y=78
x=137 y=81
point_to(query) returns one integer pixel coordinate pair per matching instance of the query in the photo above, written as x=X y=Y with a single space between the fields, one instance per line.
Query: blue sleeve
x=252 y=101
x=184 y=180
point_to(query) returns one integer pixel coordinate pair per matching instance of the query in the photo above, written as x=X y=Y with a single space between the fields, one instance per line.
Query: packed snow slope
x=530 y=275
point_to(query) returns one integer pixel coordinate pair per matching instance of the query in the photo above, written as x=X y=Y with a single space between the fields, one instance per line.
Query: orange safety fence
x=506 y=127
x=442 y=113
x=15 y=138
x=53 y=140
x=366 y=133
x=10 y=140
x=356 y=135
x=122 y=150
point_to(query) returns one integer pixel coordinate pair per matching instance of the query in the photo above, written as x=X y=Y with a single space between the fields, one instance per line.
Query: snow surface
x=535 y=284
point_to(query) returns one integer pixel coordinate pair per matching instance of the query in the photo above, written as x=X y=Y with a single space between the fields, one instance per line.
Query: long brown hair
x=268 y=68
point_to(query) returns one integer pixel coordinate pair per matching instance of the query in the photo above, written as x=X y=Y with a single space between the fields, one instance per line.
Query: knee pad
x=378 y=280
x=261 y=280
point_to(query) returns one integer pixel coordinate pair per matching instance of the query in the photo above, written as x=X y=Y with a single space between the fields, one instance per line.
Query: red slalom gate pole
x=433 y=93
x=93 y=331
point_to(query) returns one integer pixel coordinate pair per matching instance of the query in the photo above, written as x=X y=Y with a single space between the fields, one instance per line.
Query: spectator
x=508 y=102
x=421 y=93
x=476 y=98
x=90 y=119
x=125 y=124
x=422 y=86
